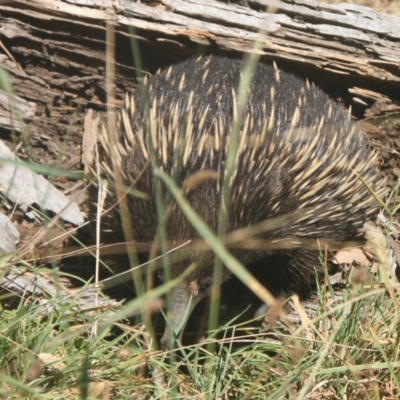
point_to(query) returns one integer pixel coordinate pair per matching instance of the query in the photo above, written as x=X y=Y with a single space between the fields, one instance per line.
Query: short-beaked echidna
x=297 y=150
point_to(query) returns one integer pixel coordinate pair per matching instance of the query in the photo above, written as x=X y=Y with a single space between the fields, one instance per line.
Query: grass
x=350 y=351
x=347 y=346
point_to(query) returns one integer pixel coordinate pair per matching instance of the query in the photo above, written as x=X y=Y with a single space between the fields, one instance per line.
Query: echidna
x=297 y=150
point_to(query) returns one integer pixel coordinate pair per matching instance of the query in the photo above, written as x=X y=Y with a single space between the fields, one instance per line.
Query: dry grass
x=346 y=347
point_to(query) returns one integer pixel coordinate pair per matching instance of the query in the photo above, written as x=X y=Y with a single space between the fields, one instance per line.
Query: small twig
x=8 y=53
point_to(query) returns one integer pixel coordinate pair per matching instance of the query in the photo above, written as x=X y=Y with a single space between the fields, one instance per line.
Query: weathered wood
x=50 y=294
x=9 y=235
x=54 y=52
x=23 y=186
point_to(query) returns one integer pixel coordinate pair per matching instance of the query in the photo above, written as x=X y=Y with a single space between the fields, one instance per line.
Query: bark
x=54 y=54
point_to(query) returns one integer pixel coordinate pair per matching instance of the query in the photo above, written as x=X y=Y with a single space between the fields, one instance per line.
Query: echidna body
x=297 y=150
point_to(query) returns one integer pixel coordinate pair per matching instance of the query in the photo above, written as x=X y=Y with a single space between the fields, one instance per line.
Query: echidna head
x=188 y=293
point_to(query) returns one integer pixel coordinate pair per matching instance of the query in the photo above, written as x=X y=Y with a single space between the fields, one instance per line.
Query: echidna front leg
x=183 y=302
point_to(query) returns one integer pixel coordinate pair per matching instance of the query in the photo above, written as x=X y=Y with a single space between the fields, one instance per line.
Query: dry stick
x=112 y=126
x=200 y=244
x=75 y=187
x=101 y=196
x=325 y=289
x=11 y=56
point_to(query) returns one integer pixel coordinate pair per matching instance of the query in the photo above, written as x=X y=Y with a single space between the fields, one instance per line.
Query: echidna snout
x=297 y=150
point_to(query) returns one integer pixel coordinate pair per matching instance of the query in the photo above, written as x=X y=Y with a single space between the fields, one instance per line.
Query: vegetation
x=345 y=345
x=348 y=348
